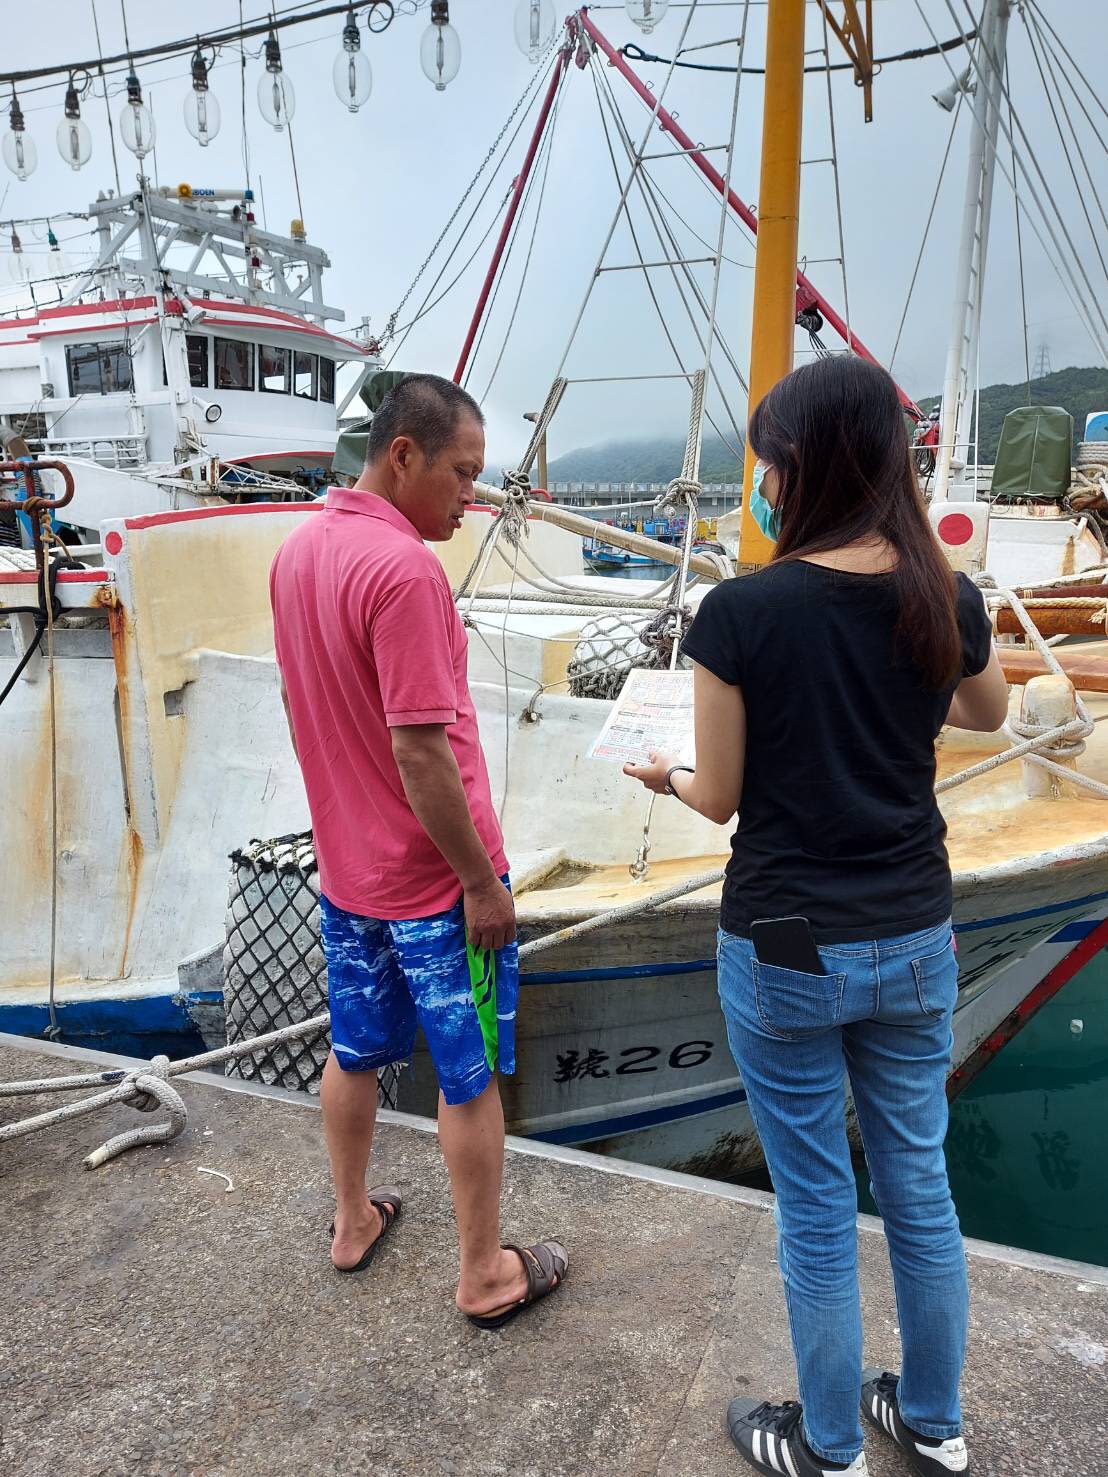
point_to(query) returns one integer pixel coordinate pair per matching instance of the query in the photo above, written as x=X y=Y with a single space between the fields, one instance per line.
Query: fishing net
x=274 y=970
x=612 y=644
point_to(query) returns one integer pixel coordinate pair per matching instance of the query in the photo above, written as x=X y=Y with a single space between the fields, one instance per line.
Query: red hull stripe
x=1028 y=1007
x=237 y=510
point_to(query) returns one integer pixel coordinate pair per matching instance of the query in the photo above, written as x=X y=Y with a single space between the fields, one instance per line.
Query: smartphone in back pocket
x=787 y=943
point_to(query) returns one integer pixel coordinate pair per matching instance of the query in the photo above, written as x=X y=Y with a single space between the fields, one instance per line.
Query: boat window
x=196 y=346
x=98 y=369
x=327 y=380
x=234 y=365
x=305 y=376
x=273 y=369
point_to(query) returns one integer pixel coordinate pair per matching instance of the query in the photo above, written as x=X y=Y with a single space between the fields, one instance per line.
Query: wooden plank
x=620 y=538
x=1087 y=668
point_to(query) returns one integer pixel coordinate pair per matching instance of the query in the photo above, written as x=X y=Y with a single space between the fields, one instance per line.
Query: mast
x=965 y=331
x=771 y=346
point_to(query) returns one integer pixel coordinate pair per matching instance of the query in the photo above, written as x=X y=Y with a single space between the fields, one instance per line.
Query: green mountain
x=1079 y=391
x=652 y=459
x=659 y=458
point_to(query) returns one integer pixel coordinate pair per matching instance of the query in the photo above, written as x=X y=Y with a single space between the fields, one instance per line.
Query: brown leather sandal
x=386 y=1199
x=546 y=1265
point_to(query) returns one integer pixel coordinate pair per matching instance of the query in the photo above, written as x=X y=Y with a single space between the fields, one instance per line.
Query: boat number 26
x=573 y=1065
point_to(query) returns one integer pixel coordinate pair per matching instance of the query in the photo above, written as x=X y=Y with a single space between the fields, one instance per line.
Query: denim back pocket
x=792 y=1004
x=936 y=978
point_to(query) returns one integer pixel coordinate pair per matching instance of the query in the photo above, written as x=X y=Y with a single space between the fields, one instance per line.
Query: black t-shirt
x=838 y=821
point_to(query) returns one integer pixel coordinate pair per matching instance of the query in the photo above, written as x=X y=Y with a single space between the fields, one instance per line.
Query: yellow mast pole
x=771 y=347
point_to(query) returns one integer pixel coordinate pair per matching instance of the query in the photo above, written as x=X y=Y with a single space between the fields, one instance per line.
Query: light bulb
x=353 y=77
x=202 y=116
x=352 y=74
x=276 y=94
x=647 y=13
x=18 y=147
x=74 y=142
x=534 y=27
x=19 y=268
x=440 y=51
x=136 y=122
x=74 y=139
x=20 y=154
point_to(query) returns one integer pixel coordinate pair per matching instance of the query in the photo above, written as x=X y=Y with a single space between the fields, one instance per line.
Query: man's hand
x=490 y=914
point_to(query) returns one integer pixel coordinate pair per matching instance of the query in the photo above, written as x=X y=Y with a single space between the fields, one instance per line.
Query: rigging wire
x=548 y=145
x=1066 y=151
x=835 y=173
x=104 y=90
x=623 y=197
x=1023 y=285
x=666 y=238
x=430 y=307
x=1032 y=25
x=1056 y=258
x=242 y=91
x=1064 y=71
x=124 y=61
x=526 y=96
x=927 y=227
x=501 y=277
x=1041 y=16
x=600 y=79
x=633 y=53
x=1028 y=152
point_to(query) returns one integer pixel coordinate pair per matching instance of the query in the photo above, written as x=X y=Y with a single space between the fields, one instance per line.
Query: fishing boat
x=191 y=364
x=151 y=744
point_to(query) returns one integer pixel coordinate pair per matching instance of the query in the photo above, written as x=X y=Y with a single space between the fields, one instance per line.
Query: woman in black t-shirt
x=821 y=684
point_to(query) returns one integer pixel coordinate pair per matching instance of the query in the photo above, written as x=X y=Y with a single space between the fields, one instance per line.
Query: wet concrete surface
x=155 y=1323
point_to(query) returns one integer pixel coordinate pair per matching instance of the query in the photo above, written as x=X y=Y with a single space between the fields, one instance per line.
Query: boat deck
x=161 y=1324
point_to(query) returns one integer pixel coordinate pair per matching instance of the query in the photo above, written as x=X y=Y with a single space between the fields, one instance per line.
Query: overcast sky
x=378 y=186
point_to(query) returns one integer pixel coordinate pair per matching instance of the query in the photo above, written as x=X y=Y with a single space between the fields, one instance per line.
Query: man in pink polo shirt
x=372 y=655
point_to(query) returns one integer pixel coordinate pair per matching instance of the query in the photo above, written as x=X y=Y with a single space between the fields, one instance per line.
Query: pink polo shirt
x=368 y=638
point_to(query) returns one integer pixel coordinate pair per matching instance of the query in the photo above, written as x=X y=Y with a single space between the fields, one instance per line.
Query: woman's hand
x=653 y=772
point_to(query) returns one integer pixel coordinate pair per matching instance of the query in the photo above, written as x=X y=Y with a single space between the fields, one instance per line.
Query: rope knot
x=517 y=507
x=1068 y=743
x=666 y=630
x=147 y=1097
x=682 y=491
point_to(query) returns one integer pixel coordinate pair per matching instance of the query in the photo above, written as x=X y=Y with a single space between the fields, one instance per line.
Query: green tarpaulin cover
x=349 y=457
x=1033 y=458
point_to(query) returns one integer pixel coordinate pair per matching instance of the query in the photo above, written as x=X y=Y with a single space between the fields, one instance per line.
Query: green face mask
x=763 y=513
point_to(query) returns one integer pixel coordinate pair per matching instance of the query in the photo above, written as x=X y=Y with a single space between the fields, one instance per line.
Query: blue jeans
x=880 y=1015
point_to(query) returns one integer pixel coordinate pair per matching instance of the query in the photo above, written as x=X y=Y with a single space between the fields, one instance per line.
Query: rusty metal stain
x=107 y=597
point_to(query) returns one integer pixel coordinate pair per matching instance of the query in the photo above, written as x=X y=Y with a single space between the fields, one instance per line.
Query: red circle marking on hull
x=955 y=528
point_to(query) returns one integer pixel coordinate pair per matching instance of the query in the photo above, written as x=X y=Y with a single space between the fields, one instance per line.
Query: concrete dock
x=156 y=1323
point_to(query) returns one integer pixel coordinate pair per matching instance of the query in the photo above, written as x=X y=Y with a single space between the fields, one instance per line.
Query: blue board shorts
x=385 y=976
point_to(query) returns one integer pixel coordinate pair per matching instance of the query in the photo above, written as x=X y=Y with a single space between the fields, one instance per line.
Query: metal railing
x=124 y=453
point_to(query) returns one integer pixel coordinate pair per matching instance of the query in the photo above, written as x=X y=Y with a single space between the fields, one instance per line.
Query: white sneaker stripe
x=875 y=1408
x=757 y=1445
x=788 y=1459
x=887 y=1417
x=771 y=1451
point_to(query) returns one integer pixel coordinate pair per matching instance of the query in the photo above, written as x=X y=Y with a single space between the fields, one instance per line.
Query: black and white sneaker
x=928 y=1457
x=771 y=1438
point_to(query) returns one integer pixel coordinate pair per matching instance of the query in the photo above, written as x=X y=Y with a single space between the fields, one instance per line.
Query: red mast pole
x=517 y=195
x=807 y=294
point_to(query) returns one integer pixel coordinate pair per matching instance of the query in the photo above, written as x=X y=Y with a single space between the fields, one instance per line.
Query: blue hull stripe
x=622 y=972
x=579 y=1133
x=1070 y=933
x=1077 y=902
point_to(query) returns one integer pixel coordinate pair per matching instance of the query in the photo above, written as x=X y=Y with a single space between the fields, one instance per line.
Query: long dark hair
x=835 y=434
